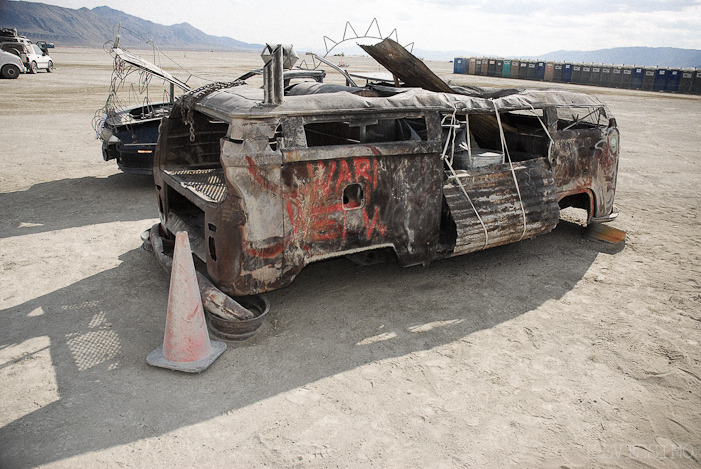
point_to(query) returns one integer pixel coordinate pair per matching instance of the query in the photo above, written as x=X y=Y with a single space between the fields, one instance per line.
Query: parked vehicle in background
x=129 y=133
x=10 y=65
x=34 y=56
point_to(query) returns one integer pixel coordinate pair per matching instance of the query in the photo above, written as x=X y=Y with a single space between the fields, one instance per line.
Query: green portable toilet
x=506 y=68
x=616 y=72
x=478 y=67
x=471 y=66
x=499 y=68
x=515 y=65
x=576 y=73
x=649 y=78
x=687 y=78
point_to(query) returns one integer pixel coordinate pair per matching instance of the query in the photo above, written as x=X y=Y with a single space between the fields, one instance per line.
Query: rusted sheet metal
x=405 y=66
x=601 y=232
x=284 y=218
x=587 y=161
x=494 y=197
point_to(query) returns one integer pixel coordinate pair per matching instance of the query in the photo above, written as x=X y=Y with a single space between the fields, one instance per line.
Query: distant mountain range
x=92 y=28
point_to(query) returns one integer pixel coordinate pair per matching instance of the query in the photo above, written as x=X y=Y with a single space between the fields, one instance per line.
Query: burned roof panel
x=309 y=98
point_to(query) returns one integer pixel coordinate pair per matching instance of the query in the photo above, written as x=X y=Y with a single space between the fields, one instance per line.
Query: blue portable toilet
x=459 y=65
x=638 y=76
x=660 y=83
x=673 y=79
x=566 y=73
x=540 y=71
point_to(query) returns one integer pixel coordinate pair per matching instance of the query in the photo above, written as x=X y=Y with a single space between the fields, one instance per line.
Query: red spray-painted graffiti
x=314 y=202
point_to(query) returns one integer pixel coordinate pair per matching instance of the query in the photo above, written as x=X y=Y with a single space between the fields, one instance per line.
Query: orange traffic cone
x=186 y=344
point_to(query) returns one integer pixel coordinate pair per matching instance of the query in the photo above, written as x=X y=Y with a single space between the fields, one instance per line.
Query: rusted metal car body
x=265 y=186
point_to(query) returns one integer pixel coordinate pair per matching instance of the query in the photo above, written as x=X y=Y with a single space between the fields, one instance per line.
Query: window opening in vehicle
x=212 y=249
x=580 y=118
x=371 y=131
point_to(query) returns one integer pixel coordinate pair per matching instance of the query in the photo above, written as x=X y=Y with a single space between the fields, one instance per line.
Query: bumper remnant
x=214 y=300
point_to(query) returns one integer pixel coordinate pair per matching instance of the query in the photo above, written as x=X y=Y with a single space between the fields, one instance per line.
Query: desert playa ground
x=554 y=352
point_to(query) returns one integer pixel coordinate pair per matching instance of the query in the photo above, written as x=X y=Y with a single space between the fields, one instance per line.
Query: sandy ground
x=553 y=352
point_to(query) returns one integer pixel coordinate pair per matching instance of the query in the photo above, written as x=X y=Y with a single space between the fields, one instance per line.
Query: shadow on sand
x=336 y=316
x=70 y=203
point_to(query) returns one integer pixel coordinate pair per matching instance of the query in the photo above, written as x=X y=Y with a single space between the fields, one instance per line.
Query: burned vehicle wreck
x=268 y=181
x=129 y=133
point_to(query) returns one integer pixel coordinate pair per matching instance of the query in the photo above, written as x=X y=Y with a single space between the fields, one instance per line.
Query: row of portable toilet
x=675 y=80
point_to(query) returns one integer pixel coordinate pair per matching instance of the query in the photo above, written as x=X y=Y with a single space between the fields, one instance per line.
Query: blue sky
x=492 y=27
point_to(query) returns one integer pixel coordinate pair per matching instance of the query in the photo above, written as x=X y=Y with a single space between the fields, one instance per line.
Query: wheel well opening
x=576 y=207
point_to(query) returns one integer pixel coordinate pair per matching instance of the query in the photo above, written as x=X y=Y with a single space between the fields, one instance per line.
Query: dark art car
x=266 y=181
x=129 y=133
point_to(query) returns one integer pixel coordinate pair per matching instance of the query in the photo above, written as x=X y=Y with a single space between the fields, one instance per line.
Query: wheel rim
x=10 y=71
